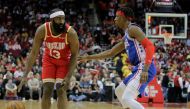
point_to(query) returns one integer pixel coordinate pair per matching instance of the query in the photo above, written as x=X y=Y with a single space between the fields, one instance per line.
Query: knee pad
x=58 y=85
x=47 y=91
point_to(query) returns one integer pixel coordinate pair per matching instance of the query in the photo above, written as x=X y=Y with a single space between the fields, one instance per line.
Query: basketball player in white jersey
x=140 y=51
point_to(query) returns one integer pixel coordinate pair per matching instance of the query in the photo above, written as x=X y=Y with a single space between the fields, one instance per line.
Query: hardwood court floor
x=94 y=105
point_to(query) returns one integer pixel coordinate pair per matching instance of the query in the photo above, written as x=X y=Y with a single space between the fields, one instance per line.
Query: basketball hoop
x=167 y=38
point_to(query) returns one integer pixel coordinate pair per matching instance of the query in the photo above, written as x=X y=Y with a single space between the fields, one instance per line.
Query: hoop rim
x=167 y=38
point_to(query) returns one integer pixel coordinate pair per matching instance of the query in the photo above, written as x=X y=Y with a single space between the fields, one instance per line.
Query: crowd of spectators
x=94 y=80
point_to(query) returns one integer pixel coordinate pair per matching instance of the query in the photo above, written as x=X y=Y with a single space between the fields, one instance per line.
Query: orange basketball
x=15 y=105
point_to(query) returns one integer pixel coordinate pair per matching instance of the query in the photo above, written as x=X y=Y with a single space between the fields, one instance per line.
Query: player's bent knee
x=61 y=92
x=120 y=89
x=48 y=89
x=117 y=91
x=127 y=102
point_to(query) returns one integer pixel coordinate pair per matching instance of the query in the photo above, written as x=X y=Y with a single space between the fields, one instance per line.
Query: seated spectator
x=18 y=73
x=85 y=85
x=22 y=93
x=6 y=78
x=97 y=89
x=34 y=86
x=76 y=93
x=11 y=90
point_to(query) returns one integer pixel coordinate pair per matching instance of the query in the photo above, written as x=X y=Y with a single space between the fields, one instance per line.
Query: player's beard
x=58 y=28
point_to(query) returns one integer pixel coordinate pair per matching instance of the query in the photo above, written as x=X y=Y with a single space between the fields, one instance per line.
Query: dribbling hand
x=65 y=82
x=144 y=77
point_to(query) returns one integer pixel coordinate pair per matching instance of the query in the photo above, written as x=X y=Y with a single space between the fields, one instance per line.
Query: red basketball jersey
x=56 y=47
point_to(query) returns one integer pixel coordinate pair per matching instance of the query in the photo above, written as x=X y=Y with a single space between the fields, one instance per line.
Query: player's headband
x=58 y=13
x=121 y=13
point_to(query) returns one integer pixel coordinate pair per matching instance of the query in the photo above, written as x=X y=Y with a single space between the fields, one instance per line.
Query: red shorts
x=53 y=69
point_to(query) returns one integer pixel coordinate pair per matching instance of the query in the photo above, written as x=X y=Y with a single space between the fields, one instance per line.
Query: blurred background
x=93 y=21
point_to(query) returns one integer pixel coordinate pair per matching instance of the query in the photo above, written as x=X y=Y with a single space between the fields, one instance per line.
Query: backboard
x=175 y=23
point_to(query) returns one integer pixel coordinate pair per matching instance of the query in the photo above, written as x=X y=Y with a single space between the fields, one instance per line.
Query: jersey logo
x=126 y=43
x=55 y=45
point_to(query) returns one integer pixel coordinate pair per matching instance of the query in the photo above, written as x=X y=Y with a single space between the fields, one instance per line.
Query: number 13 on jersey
x=55 y=53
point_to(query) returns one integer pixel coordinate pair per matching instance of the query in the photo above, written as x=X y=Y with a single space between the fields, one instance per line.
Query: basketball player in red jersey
x=59 y=58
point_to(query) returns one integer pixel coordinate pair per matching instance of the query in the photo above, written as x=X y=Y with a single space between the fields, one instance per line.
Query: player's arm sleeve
x=149 y=49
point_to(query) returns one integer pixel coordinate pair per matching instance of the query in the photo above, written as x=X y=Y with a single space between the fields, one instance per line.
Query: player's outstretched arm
x=38 y=39
x=106 y=54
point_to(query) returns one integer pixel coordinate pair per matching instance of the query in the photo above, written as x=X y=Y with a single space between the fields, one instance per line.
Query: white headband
x=58 y=13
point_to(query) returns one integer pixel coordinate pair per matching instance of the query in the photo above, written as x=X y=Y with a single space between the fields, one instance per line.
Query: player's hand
x=144 y=77
x=82 y=58
x=23 y=81
x=66 y=82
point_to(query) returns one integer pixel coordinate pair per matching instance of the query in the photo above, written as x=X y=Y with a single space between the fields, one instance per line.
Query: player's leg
x=132 y=90
x=128 y=99
x=61 y=91
x=119 y=91
x=48 y=77
x=61 y=98
x=47 y=93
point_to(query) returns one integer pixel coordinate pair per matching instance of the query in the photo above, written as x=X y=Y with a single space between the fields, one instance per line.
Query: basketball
x=15 y=105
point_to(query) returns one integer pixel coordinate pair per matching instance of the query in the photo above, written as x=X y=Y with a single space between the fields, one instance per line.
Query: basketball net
x=167 y=38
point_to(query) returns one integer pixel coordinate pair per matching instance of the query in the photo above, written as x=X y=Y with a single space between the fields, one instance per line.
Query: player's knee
x=126 y=102
x=117 y=91
x=48 y=89
x=60 y=91
x=120 y=89
x=128 y=98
